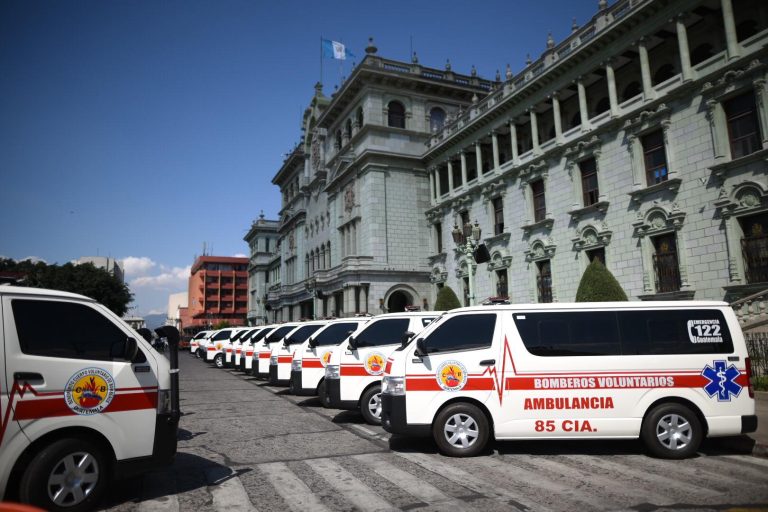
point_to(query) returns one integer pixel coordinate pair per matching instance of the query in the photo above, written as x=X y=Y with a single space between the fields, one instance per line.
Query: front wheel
x=370 y=405
x=461 y=430
x=69 y=474
x=218 y=360
x=672 y=431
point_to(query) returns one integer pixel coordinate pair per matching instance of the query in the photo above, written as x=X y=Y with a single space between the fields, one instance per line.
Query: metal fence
x=757 y=346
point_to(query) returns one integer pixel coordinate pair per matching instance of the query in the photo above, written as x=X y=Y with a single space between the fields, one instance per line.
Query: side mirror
x=311 y=343
x=130 y=350
x=421 y=348
x=352 y=343
x=407 y=335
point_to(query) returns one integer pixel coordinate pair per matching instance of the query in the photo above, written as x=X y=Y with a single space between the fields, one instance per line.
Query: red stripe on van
x=52 y=407
x=284 y=359
x=388 y=367
x=353 y=370
x=264 y=355
x=211 y=349
x=312 y=363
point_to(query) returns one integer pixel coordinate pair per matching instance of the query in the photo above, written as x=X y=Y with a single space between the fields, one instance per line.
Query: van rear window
x=608 y=333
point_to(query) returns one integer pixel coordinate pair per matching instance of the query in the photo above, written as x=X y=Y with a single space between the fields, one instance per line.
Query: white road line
x=227 y=491
x=749 y=459
x=291 y=488
x=363 y=430
x=466 y=479
x=352 y=489
x=409 y=483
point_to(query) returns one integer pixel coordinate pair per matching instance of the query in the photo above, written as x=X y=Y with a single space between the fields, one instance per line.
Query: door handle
x=488 y=362
x=29 y=377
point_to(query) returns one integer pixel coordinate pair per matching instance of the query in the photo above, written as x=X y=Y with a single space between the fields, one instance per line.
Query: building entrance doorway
x=398 y=300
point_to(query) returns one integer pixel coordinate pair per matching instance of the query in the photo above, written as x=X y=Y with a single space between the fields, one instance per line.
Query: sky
x=143 y=130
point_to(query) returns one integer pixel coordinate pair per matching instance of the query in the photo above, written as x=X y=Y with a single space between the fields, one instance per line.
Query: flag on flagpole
x=335 y=50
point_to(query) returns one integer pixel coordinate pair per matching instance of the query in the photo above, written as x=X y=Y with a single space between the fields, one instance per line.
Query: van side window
x=605 y=333
x=462 y=332
x=66 y=330
x=383 y=332
x=335 y=333
x=221 y=335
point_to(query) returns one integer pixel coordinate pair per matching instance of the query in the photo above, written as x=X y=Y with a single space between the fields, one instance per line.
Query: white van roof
x=42 y=292
x=597 y=305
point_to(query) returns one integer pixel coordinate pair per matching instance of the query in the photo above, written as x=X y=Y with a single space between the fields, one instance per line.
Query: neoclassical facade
x=641 y=140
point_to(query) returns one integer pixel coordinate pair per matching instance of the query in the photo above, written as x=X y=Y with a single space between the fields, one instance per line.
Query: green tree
x=446 y=299
x=223 y=324
x=84 y=279
x=598 y=285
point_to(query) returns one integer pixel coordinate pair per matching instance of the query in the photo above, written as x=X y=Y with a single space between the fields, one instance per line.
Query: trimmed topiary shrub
x=598 y=285
x=446 y=299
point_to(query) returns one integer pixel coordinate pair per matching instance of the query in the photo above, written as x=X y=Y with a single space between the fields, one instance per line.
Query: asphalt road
x=245 y=446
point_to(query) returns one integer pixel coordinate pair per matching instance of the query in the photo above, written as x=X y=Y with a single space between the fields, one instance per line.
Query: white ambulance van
x=251 y=354
x=282 y=353
x=83 y=397
x=228 y=346
x=262 y=351
x=310 y=358
x=237 y=346
x=353 y=374
x=243 y=346
x=669 y=373
x=213 y=346
x=194 y=343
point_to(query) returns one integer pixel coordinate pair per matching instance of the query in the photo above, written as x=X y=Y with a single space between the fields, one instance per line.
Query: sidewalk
x=756 y=442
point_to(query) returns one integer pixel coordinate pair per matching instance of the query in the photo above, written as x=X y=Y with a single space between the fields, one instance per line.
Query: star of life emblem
x=722 y=381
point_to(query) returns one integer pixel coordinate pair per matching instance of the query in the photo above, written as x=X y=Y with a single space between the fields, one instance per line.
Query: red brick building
x=218 y=291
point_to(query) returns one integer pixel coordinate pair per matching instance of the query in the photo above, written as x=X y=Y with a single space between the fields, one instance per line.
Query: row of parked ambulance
x=670 y=373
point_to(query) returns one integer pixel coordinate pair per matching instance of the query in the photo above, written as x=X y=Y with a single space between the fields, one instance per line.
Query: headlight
x=393 y=386
x=332 y=371
x=296 y=365
x=272 y=359
x=164 y=401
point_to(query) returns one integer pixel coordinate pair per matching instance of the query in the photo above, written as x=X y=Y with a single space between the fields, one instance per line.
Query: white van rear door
x=69 y=356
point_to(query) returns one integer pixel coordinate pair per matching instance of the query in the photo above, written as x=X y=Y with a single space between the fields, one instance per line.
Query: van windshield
x=335 y=334
x=222 y=335
x=279 y=333
x=260 y=335
x=301 y=334
x=249 y=335
x=199 y=335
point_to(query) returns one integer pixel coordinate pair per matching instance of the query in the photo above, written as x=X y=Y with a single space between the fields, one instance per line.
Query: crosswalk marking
x=351 y=488
x=414 y=486
x=291 y=488
x=476 y=483
x=227 y=491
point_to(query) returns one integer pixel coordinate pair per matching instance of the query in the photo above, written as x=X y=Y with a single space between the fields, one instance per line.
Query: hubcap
x=461 y=430
x=374 y=406
x=674 y=432
x=73 y=479
x=219 y=361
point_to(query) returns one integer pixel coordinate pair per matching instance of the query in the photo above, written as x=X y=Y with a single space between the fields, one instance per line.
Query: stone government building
x=641 y=140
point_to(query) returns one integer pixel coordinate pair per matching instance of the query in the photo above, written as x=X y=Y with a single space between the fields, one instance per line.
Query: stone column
x=495 y=141
x=612 y=96
x=645 y=70
x=682 y=45
x=534 y=132
x=432 y=194
x=463 y=157
x=450 y=177
x=513 y=139
x=557 y=117
x=731 y=41
x=438 y=185
x=479 y=158
x=583 y=112
x=762 y=111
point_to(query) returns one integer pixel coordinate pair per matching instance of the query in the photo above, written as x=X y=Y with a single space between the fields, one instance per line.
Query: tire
x=199 y=353
x=218 y=360
x=370 y=405
x=291 y=386
x=321 y=389
x=325 y=399
x=461 y=430
x=46 y=478
x=672 y=431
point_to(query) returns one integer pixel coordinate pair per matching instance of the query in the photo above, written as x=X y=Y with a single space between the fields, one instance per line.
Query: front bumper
x=394 y=421
x=748 y=424
x=297 y=387
x=163 y=449
x=333 y=396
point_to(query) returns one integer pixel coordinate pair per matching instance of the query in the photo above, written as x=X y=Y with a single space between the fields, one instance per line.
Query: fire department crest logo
x=451 y=375
x=374 y=363
x=218 y=346
x=89 y=391
x=326 y=358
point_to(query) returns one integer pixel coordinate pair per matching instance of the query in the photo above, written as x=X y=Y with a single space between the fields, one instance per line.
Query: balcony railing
x=752 y=311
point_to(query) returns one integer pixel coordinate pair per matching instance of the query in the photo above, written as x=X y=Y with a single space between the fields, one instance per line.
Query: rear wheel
x=461 y=430
x=370 y=405
x=672 y=431
x=69 y=474
x=321 y=389
x=218 y=360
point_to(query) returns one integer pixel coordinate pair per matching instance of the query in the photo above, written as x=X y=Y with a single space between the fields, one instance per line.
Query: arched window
x=322 y=257
x=312 y=261
x=436 y=119
x=348 y=129
x=338 y=139
x=328 y=255
x=630 y=91
x=359 y=117
x=665 y=72
x=602 y=105
x=396 y=114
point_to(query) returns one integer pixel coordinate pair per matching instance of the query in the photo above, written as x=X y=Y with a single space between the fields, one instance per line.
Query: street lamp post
x=467 y=239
